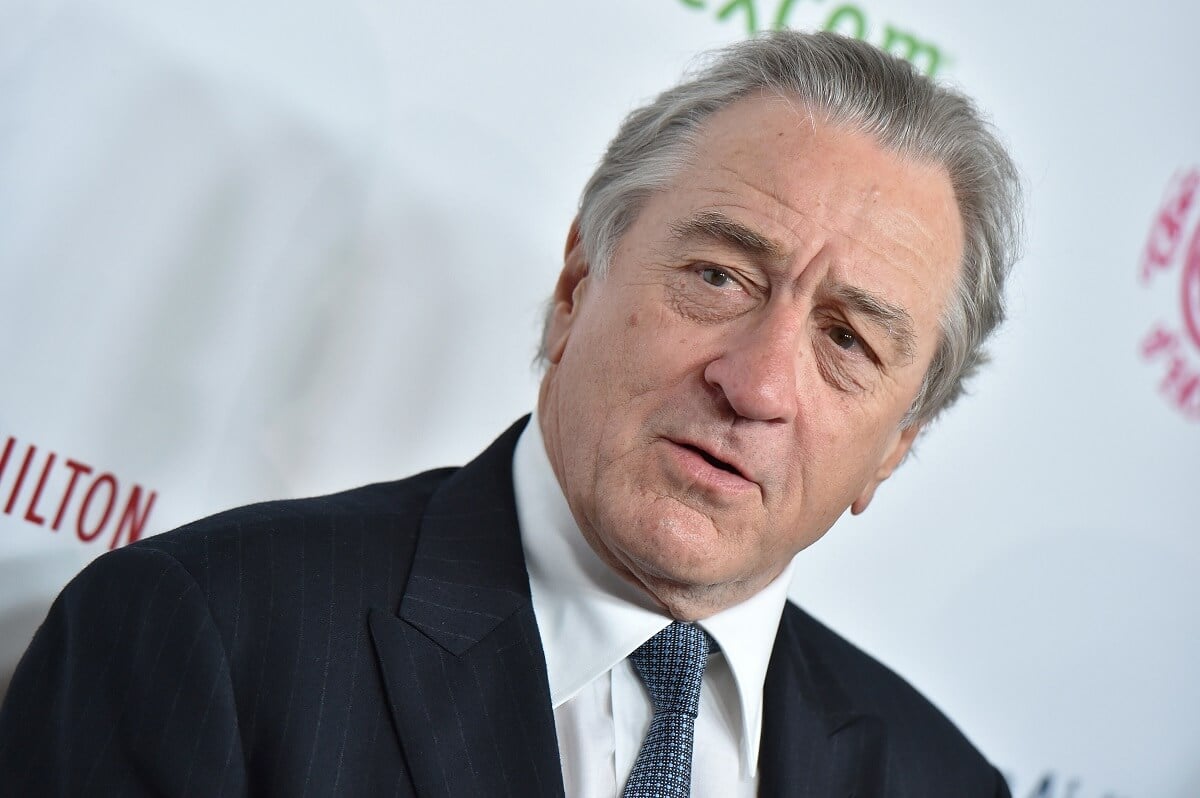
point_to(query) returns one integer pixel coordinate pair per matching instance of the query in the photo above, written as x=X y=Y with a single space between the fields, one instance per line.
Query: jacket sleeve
x=125 y=690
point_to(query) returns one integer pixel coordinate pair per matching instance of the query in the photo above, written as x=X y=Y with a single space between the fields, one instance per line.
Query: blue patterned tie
x=671 y=665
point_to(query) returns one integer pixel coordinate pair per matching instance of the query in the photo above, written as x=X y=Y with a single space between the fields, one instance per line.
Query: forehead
x=777 y=147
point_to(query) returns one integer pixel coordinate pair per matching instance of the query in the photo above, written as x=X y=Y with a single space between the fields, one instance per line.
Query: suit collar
x=815 y=680
x=817 y=740
x=468 y=574
x=462 y=659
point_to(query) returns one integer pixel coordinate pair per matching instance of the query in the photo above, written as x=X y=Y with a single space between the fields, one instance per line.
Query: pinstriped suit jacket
x=381 y=642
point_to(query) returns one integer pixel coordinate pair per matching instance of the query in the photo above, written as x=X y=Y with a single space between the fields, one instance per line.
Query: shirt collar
x=590 y=618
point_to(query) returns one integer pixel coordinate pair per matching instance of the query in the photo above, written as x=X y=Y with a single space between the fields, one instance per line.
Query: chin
x=690 y=596
x=682 y=547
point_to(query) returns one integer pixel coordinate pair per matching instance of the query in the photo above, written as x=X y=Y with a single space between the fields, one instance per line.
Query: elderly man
x=781 y=270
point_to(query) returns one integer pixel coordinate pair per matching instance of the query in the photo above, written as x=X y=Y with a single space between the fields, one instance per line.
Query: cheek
x=830 y=460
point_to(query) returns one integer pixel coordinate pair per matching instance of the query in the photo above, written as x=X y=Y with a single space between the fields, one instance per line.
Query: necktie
x=671 y=664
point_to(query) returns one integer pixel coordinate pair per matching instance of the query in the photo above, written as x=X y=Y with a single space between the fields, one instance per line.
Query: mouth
x=716 y=477
x=715 y=462
x=701 y=454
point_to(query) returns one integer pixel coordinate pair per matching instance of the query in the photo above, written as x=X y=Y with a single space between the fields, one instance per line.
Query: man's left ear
x=891 y=461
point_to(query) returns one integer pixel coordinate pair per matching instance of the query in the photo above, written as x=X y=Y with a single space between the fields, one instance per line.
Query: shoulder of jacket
x=386 y=510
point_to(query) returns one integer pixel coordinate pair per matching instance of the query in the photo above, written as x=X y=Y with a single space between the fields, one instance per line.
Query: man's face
x=738 y=378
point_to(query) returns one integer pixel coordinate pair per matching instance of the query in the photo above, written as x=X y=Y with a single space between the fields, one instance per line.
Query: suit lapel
x=462 y=661
x=815 y=743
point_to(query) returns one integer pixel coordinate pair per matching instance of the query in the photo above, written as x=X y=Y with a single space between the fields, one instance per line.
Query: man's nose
x=757 y=371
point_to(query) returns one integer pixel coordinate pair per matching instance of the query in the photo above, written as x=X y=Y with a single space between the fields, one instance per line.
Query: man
x=781 y=270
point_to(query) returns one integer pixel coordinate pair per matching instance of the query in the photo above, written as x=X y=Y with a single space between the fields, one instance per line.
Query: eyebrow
x=891 y=318
x=718 y=228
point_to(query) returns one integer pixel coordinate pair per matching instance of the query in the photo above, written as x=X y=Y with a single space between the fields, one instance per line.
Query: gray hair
x=858 y=87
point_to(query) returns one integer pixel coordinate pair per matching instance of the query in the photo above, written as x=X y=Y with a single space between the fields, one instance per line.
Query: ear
x=895 y=455
x=568 y=295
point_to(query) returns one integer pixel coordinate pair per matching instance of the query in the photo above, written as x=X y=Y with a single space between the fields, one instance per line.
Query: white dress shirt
x=591 y=619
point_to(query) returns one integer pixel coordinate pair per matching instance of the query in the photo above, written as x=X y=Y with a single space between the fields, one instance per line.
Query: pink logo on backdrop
x=1172 y=255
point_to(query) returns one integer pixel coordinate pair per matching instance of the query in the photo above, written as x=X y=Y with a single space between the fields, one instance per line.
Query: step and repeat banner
x=253 y=250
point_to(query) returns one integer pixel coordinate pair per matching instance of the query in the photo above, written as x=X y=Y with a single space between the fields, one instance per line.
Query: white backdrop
x=261 y=249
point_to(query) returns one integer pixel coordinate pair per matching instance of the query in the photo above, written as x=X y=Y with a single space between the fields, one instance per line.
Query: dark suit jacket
x=382 y=642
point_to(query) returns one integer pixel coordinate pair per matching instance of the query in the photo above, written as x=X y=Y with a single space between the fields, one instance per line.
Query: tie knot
x=671 y=665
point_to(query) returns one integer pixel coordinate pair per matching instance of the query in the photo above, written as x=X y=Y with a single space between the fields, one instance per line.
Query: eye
x=844 y=338
x=715 y=277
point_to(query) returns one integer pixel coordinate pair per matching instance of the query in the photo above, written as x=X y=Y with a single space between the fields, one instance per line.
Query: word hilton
x=47 y=490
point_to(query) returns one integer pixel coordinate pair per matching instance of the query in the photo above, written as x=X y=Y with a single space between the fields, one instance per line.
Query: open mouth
x=713 y=461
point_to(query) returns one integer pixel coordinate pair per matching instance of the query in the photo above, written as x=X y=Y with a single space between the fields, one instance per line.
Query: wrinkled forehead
x=791 y=160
